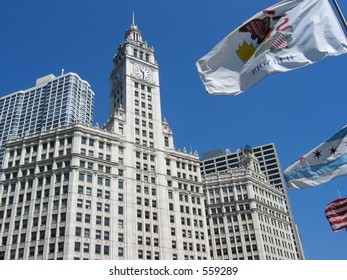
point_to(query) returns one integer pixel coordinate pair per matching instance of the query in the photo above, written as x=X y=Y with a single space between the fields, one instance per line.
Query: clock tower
x=135 y=88
x=162 y=186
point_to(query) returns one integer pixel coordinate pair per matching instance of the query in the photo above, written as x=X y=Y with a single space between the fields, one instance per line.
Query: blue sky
x=296 y=110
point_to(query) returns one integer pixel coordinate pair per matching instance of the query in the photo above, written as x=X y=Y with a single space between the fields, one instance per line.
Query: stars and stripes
x=279 y=41
x=336 y=213
x=321 y=164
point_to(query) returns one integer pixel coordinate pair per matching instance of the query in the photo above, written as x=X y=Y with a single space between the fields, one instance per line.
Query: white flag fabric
x=288 y=35
x=320 y=165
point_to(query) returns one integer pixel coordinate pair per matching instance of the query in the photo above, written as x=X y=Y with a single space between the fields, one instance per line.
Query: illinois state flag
x=320 y=165
x=288 y=35
x=336 y=213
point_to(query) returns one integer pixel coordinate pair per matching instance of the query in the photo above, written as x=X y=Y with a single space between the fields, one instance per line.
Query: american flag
x=336 y=213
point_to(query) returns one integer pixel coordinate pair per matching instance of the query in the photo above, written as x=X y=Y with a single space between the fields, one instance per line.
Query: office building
x=121 y=191
x=248 y=209
x=53 y=101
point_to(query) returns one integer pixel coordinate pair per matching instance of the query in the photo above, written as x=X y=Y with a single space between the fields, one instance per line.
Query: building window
x=87 y=232
x=107 y=182
x=86 y=247
x=99 y=193
x=140 y=254
x=77 y=246
x=101 y=145
x=99 y=206
x=78 y=217
x=106 y=235
x=88 y=204
x=106 y=250
x=97 y=249
x=81 y=176
x=31 y=251
x=89 y=191
x=120 y=237
x=120 y=252
x=107 y=208
x=51 y=248
x=89 y=178
x=91 y=142
x=120 y=223
x=120 y=196
x=79 y=203
x=120 y=184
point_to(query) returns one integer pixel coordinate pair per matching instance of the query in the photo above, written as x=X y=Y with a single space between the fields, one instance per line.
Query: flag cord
x=340 y=13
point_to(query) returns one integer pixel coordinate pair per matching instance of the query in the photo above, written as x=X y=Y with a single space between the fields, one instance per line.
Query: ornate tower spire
x=133 y=33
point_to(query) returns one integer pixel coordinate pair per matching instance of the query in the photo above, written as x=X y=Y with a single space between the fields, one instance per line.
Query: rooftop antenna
x=62 y=72
x=133 y=18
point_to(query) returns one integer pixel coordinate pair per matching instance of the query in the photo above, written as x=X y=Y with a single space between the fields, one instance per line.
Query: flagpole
x=340 y=13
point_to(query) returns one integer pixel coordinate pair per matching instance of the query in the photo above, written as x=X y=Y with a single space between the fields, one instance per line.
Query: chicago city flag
x=288 y=35
x=336 y=213
x=322 y=164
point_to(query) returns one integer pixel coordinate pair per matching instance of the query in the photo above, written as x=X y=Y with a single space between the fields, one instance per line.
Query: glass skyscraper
x=52 y=102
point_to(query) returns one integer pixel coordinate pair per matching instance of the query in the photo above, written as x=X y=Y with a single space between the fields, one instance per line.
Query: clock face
x=142 y=72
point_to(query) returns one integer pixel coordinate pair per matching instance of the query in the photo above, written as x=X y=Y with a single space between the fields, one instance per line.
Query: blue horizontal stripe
x=316 y=170
x=340 y=134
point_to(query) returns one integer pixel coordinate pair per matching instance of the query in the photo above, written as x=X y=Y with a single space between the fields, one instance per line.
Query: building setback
x=52 y=102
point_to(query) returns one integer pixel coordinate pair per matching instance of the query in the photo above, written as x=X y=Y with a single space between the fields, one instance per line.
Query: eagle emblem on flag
x=265 y=37
x=259 y=28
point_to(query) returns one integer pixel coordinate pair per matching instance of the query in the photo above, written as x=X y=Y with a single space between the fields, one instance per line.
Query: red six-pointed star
x=332 y=150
